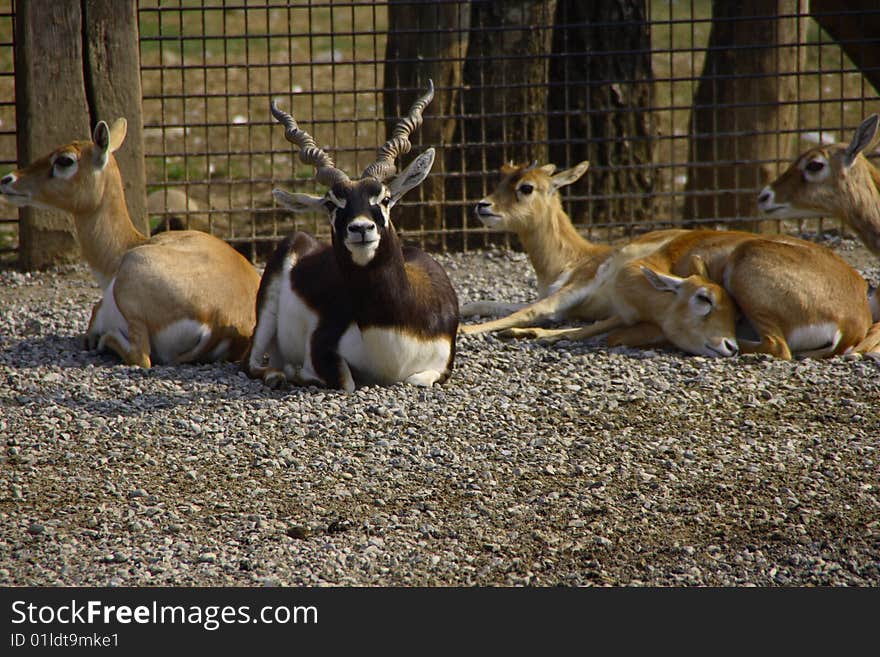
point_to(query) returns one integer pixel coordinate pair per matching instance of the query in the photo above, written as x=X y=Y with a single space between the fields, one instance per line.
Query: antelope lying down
x=178 y=297
x=798 y=297
x=834 y=181
x=365 y=309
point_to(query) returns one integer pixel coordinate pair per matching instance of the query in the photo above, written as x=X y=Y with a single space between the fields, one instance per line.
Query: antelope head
x=359 y=210
x=71 y=178
x=699 y=316
x=826 y=181
x=526 y=195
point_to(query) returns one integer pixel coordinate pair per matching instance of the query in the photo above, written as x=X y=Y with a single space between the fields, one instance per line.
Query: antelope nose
x=361 y=228
x=765 y=196
x=731 y=346
x=8 y=179
x=483 y=207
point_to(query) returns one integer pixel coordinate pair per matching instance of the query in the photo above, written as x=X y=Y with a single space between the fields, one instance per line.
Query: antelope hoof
x=518 y=333
x=274 y=379
x=469 y=329
x=90 y=341
x=424 y=379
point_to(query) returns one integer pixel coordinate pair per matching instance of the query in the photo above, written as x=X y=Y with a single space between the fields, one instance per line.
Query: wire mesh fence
x=684 y=109
x=8 y=216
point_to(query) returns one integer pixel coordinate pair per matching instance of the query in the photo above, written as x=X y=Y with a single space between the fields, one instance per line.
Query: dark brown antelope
x=364 y=309
x=178 y=297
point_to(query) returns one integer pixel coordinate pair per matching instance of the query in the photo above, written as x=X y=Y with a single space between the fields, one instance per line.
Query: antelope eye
x=814 y=166
x=64 y=161
x=386 y=201
x=526 y=189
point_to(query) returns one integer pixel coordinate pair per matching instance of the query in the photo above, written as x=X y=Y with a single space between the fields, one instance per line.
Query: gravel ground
x=571 y=464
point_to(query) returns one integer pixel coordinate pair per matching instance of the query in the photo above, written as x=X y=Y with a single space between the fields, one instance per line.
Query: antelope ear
x=101 y=137
x=662 y=282
x=117 y=133
x=410 y=177
x=298 y=202
x=569 y=176
x=698 y=267
x=866 y=136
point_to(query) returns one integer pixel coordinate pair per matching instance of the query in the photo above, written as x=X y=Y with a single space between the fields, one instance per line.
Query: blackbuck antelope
x=796 y=296
x=178 y=297
x=365 y=309
x=834 y=181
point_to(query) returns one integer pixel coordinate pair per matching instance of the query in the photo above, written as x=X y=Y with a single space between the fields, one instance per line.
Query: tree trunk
x=743 y=108
x=505 y=77
x=113 y=85
x=75 y=64
x=856 y=30
x=426 y=40
x=51 y=110
x=600 y=101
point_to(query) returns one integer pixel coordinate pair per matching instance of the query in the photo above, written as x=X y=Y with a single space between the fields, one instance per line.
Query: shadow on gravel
x=56 y=369
x=51 y=350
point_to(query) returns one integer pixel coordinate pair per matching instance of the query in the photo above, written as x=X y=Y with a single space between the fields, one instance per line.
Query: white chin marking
x=788 y=211
x=361 y=253
x=22 y=201
x=489 y=220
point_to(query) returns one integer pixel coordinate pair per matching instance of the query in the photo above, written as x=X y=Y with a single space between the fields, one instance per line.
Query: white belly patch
x=814 y=336
x=108 y=317
x=185 y=336
x=296 y=323
x=387 y=355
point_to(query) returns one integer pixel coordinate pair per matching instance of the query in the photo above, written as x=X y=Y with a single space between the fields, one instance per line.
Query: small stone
x=338 y=526
x=208 y=557
x=36 y=528
x=297 y=531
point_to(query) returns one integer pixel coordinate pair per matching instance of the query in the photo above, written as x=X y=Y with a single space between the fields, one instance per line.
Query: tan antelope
x=833 y=181
x=797 y=297
x=179 y=297
x=364 y=309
